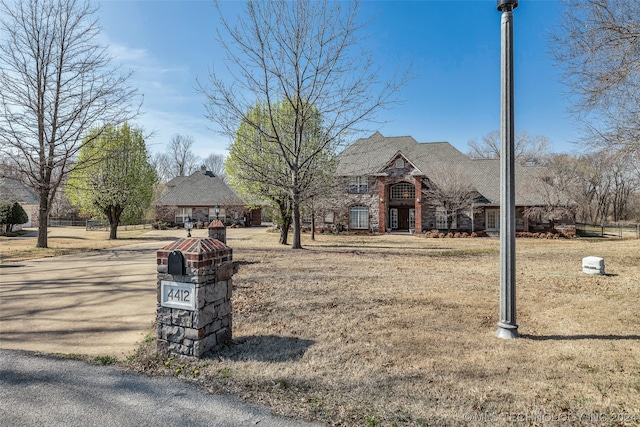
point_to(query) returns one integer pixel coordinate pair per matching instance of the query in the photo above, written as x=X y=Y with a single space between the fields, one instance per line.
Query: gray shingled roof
x=201 y=188
x=175 y=181
x=13 y=190
x=368 y=156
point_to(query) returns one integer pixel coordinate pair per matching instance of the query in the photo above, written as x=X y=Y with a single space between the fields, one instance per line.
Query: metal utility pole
x=507 y=327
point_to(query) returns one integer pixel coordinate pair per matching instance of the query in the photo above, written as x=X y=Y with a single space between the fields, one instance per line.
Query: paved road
x=47 y=391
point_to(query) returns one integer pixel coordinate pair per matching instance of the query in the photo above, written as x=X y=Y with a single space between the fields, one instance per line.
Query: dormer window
x=399 y=163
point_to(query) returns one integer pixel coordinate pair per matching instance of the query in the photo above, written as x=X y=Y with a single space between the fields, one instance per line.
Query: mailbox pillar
x=194 y=300
x=218 y=231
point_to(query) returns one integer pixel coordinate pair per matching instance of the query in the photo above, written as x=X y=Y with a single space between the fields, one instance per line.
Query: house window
x=493 y=219
x=359 y=217
x=442 y=220
x=182 y=214
x=328 y=217
x=403 y=191
x=399 y=163
x=358 y=184
x=412 y=219
x=221 y=215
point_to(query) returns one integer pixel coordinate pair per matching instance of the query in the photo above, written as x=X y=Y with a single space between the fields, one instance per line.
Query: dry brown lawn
x=399 y=330
x=65 y=241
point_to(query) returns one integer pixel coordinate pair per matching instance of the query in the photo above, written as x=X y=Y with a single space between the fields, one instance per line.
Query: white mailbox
x=593 y=265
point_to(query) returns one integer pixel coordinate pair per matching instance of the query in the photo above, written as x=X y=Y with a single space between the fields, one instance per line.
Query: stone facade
x=379 y=201
x=209 y=267
x=398 y=170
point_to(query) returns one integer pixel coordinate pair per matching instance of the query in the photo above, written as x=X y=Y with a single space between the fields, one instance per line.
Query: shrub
x=450 y=235
x=474 y=234
x=12 y=214
x=465 y=234
x=441 y=235
x=159 y=225
x=457 y=235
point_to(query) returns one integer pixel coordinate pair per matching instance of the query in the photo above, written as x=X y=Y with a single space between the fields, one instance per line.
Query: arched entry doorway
x=402 y=207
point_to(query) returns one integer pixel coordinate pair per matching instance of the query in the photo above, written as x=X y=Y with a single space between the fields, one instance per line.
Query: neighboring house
x=198 y=195
x=383 y=184
x=13 y=190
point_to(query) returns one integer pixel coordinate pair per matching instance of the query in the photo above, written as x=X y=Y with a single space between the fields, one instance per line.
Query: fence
x=621 y=231
x=97 y=224
x=59 y=222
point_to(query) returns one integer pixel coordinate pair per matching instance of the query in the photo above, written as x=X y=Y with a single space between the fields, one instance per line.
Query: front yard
x=399 y=330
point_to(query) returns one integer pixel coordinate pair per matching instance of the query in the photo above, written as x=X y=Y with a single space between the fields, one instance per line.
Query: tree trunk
x=295 y=205
x=313 y=225
x=297 y=244
x=113 y=231
x=284 y=233
x=285 y=215
x=113 y=215
x=43 y=220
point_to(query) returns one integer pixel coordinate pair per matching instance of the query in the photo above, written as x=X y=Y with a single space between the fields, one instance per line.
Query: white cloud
x=125 y=54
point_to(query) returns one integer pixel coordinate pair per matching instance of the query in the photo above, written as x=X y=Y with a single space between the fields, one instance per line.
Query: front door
x=403 y=218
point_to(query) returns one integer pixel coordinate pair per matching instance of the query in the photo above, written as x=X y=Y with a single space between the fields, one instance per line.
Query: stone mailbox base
x=218 y=231
x=194 y=308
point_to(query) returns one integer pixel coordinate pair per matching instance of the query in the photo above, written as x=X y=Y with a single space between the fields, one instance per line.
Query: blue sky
x=453 y=46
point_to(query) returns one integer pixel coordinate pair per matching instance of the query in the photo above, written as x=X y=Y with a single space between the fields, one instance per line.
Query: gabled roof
x=370 y=156
x=13 y=190
x=201 y=188
x=397 y=156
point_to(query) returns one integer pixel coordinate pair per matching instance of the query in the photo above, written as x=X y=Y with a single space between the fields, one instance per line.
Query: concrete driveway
x=95 y=303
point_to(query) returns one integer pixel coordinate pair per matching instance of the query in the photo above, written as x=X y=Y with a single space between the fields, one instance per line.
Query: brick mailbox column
x=218 y=231
x=194 y=297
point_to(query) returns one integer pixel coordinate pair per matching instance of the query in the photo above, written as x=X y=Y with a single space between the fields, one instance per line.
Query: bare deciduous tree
x=529 y=149
x=304 y=55
x=57 y=83
x=598 y=45
x=450 y=187
x=215 y=163
x=601 y=186
x=551 y=185
x=178 y=160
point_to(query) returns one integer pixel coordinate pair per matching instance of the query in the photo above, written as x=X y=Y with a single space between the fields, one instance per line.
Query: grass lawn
x=65 y=241
x=399 y=330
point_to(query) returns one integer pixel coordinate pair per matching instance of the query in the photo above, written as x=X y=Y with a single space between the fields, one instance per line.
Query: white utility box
x=593 y=265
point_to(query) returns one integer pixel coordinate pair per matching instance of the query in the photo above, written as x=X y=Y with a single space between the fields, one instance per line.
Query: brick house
x=381 y=184
x=196 y=196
